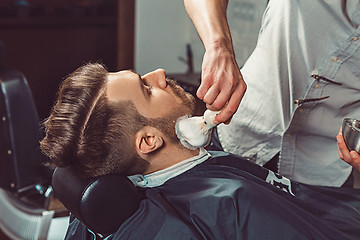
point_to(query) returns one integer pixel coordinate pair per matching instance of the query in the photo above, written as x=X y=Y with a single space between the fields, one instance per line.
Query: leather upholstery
x=102 y=203
x=21 y=161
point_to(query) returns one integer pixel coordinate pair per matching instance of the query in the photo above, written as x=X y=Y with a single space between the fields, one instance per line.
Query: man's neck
x=168 y=156
x=159 y=177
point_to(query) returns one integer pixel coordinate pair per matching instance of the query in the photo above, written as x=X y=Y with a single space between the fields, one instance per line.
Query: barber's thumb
x=353 y=154
x=200 y=93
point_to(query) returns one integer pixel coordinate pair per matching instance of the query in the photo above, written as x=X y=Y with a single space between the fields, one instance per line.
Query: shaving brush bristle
x=195 y=132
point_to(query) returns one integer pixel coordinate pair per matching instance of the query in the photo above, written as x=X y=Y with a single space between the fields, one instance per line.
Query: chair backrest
x=21 y=161
x=102 y=203
x=19 y=220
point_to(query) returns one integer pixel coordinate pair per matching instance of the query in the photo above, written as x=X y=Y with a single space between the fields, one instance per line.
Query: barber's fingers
x=351 y=157
x=217 y=97
x=218 y=91
x=340 y=146
x=344 y=153
x=204 y=87
x=211 y=95
x=226 y=100
x=232 y=106
x=355 y=160
x=225 y=93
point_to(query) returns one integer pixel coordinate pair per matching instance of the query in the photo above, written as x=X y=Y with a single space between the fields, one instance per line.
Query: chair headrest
x=101 y=203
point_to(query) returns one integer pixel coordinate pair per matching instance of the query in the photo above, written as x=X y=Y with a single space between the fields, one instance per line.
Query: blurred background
x=48 y=39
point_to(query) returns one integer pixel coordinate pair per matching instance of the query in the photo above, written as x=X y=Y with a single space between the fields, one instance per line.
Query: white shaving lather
x=195 y=132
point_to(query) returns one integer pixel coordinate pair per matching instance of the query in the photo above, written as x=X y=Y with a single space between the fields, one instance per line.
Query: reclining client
x=124 y=123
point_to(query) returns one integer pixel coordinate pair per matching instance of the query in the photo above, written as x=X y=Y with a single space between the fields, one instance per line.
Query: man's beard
x=188 y=100
x=167 y=124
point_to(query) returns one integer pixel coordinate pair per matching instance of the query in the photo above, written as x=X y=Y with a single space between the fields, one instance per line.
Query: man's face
x=153 y=95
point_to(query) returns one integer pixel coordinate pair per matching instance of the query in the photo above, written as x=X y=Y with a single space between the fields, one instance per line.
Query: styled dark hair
x=89 y=134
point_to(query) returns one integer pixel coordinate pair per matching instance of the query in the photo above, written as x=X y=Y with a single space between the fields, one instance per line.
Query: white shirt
x=158 y=178
x=299 y=38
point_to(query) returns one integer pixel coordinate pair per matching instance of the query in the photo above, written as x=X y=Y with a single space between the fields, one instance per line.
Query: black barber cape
x=228 y=197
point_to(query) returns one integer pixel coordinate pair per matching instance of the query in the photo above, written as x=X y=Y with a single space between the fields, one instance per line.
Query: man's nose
x=156 y=78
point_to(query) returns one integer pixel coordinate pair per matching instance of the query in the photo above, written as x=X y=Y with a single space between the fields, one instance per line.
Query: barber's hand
x=222 y=86
x=352 y=158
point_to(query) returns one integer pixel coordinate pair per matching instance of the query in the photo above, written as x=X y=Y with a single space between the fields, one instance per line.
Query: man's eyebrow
x=141 y=83
x=132 y=70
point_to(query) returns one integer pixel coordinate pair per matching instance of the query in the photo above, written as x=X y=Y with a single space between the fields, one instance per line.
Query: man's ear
x=148 y=139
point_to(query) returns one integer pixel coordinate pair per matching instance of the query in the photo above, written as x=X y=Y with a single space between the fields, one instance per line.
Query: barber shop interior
x=174 y=120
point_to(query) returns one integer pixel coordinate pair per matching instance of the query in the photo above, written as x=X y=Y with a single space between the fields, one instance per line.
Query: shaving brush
x=195 y=132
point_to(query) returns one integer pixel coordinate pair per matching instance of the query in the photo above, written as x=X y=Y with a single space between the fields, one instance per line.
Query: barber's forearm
x=222 y=86
x=209 y=18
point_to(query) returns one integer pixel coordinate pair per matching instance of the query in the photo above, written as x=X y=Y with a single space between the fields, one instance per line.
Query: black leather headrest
x=102 y=203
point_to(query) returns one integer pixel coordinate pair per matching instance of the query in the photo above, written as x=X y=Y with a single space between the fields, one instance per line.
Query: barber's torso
x=298 y=39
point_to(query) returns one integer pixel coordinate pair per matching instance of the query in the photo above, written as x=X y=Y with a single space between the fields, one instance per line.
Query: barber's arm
x=222 y=85
x=352 y=158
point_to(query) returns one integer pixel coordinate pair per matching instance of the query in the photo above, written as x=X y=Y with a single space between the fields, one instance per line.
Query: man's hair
x=89 y=134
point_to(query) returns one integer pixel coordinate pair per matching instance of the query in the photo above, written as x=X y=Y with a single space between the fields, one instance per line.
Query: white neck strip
x=158 y=178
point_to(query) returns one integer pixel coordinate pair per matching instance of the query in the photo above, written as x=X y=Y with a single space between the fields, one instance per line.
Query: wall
x=46 y=50
x=47 y=40
x=163 y=29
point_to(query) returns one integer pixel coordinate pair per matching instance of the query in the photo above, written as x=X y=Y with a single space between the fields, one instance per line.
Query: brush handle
x=209 y=117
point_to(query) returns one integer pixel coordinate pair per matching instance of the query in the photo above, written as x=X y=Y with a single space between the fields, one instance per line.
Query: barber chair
x=101 y=203
x=25 y=184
